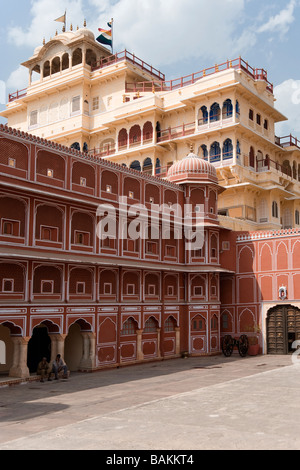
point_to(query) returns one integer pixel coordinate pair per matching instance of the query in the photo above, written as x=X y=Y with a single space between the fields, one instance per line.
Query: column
x=88 y=360
x=92 y=358
x=139 y=352
x=158 y=342
x=57 y=345
x=16 y=353
x=19 y=368
x=177 y=341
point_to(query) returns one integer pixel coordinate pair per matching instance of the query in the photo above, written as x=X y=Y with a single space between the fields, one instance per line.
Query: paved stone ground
x=210 y=403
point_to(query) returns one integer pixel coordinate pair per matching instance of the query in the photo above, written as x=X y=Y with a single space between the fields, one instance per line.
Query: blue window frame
x=227 y=149
x=215 y=152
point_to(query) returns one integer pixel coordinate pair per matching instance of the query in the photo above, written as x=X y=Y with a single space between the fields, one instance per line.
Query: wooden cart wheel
x=243 y=345
x=227 y=345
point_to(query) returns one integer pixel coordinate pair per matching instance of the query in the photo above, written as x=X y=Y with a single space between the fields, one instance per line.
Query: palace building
x=96 y=134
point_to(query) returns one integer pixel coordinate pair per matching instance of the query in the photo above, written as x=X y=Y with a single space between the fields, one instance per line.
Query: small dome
x=192 y=167
x=85 y=32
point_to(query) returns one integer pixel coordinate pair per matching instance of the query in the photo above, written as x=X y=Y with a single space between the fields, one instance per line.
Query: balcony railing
x=125 y=55
x=267 y=164
x=100 y=152
x=17 y=94
x=176 y=132
x=237 y=64
x=287 y=141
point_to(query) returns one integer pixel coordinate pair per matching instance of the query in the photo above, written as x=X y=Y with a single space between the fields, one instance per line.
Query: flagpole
x=112 y=36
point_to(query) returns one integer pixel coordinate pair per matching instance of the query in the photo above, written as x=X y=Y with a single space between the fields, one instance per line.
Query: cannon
x=229 y=343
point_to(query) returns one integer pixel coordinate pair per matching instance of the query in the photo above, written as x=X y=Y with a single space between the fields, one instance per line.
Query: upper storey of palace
x=76 y=85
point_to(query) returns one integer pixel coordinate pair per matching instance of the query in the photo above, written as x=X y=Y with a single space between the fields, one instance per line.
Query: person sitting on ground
x=43 y=368
x=57 y=366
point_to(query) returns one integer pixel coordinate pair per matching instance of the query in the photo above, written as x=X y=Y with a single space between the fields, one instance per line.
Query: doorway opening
x=283 y=328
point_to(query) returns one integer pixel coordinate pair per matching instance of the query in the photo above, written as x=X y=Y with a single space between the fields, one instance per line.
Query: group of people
x=45 y=369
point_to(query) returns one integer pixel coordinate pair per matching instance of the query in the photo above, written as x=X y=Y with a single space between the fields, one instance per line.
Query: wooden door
x=283 y=328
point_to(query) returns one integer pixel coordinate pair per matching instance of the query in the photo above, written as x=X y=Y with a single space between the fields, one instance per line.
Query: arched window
x=275 y=209
x=135 y=135
x=215 y=152
x=238 y=149
x=76 y=146
x=227 y=109
x=237 y=107
x=147 y=132
x=251 y=157
x=55 y=65
x=129 y=327
x=215 y=112
x=123 y=138
x=91 y=57
x=204 y=118
x=77 y=57
x=136 y=165
x=65 y=61
x=150 y=325
x=147 y=166
x=46 y=70
x=227 y=149
x=204 y=152
x=158 y=130
x=170 y=324
x=158 y=167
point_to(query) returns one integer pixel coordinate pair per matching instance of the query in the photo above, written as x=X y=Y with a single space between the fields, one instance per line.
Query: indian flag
x=105 y=37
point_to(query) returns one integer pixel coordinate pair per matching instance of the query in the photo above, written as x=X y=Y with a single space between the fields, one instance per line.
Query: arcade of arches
x=23 y=354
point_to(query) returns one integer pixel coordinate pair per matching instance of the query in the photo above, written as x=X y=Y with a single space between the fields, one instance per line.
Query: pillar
x=88 y=360
x=139 y=351
x=158 y=342
x=177 y=341
x=57 y=345
x=19 y=367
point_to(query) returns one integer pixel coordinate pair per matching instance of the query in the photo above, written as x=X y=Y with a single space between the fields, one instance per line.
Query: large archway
x=80 y=346
x=39 y=346
x=6 y=350
x=283 y=328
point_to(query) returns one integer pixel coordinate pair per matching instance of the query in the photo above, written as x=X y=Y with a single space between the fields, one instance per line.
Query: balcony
x=287 y=141
x=16 y=95
x=267 y=164
x=127 y=56
x=173 y=133
x=163 y=86
x=203 y=124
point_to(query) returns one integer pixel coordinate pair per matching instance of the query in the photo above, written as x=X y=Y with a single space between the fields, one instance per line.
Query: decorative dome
x=85 y=32
x=192 y=167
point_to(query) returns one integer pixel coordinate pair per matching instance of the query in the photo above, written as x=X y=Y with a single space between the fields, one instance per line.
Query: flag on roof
x=105 y=37
x=61 y=19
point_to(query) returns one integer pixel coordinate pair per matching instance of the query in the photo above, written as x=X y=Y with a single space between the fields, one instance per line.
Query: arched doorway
x=39 y=346
x=283 y=328
x=74 y=347
x=79 y=346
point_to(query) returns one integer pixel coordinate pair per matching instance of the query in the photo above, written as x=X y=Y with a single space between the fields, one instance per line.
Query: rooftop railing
x=125 y=55
x=237 y=64
x=17 y=94
x=287 y=141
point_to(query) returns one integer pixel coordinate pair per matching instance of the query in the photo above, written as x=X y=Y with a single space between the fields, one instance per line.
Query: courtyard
x=198 y=403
